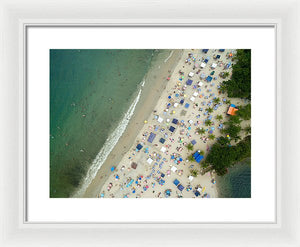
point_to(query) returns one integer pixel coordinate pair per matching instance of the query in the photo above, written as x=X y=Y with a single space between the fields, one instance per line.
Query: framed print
x=175 y=119
x=122 y=122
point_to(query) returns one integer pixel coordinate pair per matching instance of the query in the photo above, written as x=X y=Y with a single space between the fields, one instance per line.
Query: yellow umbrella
x=145 y=121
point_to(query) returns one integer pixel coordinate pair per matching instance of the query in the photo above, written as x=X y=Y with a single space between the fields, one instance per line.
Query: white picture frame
x=15 y=15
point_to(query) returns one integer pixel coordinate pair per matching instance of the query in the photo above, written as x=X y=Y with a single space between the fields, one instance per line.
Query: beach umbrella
x=145 y=121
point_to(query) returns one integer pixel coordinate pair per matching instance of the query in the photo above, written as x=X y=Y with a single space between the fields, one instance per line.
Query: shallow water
x=237 y=182
x=90 y=91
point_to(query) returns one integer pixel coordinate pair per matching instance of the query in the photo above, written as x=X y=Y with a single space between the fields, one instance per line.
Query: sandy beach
x=150 y=159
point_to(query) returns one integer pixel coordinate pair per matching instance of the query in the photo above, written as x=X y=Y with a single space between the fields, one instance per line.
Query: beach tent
x=203 y=65
x=228 y=65
x=193 y=142
x=189 y=82
x=174 y=121
x=202 y=76
x=187 y=105
x=198 y=157
x=162 y=140
x=149 y=161
x=172 y=129
x=206 y=60
x=200 y=84
x=196 y=193
x=160 y=119
x=176 y=182
x=180 y=187
x=218 y=56
x=205 y=50
x=191 y=178
x=182 y=101
x=214 y=65
x=209 y=78
x=195 y=94
x=192 y=98
x=139 y=147
x=232 y=110
x=163 y=149
x=221 y=50
x=191 y=74
x=151 y=137
x=175 y=104
x=133 y=165
x=173 y=169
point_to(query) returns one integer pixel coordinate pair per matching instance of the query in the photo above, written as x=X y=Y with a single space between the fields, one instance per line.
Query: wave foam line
x=171 y=53
x=110 y=143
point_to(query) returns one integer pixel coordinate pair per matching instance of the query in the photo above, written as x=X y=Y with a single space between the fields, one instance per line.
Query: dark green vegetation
x=239 y=85
x=244 y=112
x=222 y=156
x=190 y=147
x=233 y=128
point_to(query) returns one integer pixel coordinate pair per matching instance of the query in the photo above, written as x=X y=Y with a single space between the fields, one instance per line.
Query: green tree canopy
x=239 y=86
x=220 y=158
x=244 y=112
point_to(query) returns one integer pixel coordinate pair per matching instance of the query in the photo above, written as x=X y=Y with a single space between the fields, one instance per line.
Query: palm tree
x=219 y=117
x=190 y=147
x=191 y=158
x=216 y=100
x=205 y=165
x=248 y=129
x=235 y=119
x=194 y=173
x=226 y=74
x=211 y=137
x=209 y=110
x=208 y=122
x=200 y=131
x=228 y=102
x=201 y=152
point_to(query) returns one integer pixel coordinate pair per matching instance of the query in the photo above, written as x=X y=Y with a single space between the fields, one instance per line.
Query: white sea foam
x=108 y=146
x=171 y=53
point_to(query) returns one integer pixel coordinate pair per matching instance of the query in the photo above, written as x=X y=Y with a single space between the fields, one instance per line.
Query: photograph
x=150 y=123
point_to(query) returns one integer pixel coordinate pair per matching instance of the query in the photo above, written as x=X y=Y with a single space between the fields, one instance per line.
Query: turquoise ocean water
x=90 y=90
x=237 y=182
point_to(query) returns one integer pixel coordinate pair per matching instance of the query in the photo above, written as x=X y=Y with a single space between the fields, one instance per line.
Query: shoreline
x=152 y=90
